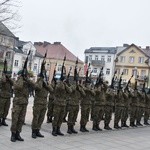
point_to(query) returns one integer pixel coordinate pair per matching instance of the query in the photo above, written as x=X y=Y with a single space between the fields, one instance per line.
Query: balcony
x=100 y=63
x=142 y=78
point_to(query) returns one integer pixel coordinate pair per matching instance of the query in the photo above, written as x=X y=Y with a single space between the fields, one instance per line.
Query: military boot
x=116 y=126
x=69 y=129
x=49 y=119
x=38 y=134
x=85 y=129
x=13 y=137
x=3 y=122
x=98 y=128
x=59 y=132
x=146 y=122
x=73 y=130
x=138 y=123
x=54 y=132
x=18 y=137
x=94 y=127
x=0 y=122
x=34 y=133
x=82 y=128
x=106 y=127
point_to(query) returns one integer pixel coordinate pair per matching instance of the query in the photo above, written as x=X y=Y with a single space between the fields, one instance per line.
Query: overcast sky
x=81 y=24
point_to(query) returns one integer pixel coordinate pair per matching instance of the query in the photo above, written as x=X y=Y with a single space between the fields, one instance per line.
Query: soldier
x=147 y=108
x=108 y=107
x=59 y=106
x=99 y=106
x=40 y=105
x=119 y=108
x=141 y=108
x=5 y=96
x=134 y=105
x=125 y=112
x=86 y=106
x=50 y=104
x=73 y=106
x=20 y=102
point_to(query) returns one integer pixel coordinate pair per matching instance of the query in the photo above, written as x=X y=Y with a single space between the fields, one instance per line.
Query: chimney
x=147 y=47
x=38 y=43
x=46 y=43
x=125 y=45
x=57 y=43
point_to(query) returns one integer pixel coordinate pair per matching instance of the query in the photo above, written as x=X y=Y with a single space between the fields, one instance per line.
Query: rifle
x=43 y=70
x=5 y=67
x=69 y=74
x=75 y=71
x=99 y=80
x=127 y=86
x=62 y=69
x=87 y=73
x=143 y=89
x=54 y=73
x=135 y=86
x=24 y=71
x=113 y=79
x=119 y=83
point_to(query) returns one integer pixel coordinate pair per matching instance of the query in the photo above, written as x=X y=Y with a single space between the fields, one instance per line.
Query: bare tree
x=9 y=13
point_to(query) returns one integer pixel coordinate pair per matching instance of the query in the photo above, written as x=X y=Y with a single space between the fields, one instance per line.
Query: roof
x=18 y=50
x=134 y=46
x=21 y=43
x=146 y=51
x=38 y=55
x=5 y=31
x=110 y=50
x=55 y=51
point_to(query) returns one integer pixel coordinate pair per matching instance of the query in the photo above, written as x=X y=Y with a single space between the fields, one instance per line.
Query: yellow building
x=133 y=61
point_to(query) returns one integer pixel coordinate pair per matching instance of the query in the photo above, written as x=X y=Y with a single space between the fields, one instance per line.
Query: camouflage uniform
x=108 y=108
x=61 y=90
x=141 y=97
x=99 y=106
x=147 y=109
x=40 y=106
x=73 y=106
x=86 y=108
x=5 y=95
x=20 y=102
x=125 y=113
x=119 y=109
x=134 y=105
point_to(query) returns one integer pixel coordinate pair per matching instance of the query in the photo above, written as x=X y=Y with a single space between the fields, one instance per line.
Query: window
x=25 y=51
x=96 y=57
x=35 y=67
x=131 y=59
x=59 y=68
x=90 y=57
x=48 y=66
x=102 y=58
x=143 y=73
x=8 y=54
x=125 y=71
x=122 y=59
x=95 y=70
x=107 y=71
x=135 y=72
x=141 y=60
x=109 y=59
x=16 y=63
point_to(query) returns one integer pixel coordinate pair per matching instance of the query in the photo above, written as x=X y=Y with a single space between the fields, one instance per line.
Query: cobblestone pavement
x=125 y=139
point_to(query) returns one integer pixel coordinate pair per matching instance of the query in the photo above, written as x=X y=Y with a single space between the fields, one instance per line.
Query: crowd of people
x=63 y=98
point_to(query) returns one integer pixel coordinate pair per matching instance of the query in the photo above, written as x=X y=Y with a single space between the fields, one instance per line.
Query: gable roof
x=55 y=51
x=141 y=50
x=5 y=31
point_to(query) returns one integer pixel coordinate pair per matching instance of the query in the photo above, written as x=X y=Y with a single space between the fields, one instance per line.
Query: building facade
x=55 y=55
x=99 y=57
x=132 y=61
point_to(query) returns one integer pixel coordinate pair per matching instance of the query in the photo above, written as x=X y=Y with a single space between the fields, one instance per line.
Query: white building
x=20 y=55
x=99 y=57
